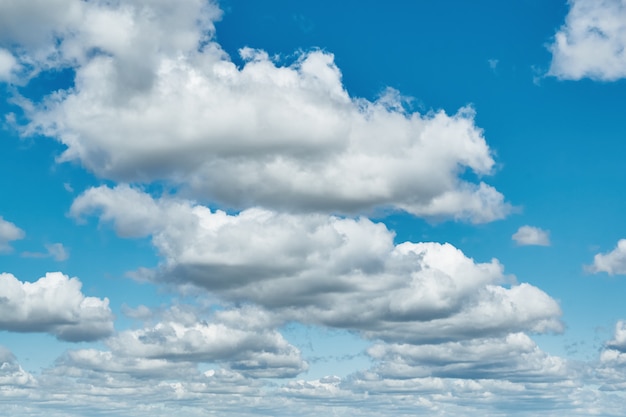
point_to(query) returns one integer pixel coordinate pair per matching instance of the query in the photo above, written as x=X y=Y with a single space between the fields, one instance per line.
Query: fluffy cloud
x=613 y=262
x=157 y=99
x=11 y=373
x=611 y=370
x=592 y=41
x=514 y=358
x=240 y=339
x=53 y=304
x=8 y=233
x=529 y=235
x=340 y=272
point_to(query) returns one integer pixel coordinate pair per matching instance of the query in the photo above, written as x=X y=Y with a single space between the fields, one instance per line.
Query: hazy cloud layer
x=592 y=42
x=530 y=235
x=8 y=233
x=157 y=99
x=613 y=262
x=83 y=384
x=53 y=304
x=340 y=272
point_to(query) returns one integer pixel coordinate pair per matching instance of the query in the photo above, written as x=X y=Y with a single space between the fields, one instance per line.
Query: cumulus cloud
x=157 y=98
x=241 y=340
x=592 y=41
x=11 y=373
x=529 y=235
x=514 y=357
x=8 y=233
x=613 y=263
x=340 y=272
x=53 y=304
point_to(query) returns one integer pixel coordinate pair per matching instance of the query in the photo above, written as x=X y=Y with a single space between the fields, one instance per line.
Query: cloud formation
x=592 y=42
x=160 y=100
x=241 y=340
x=613 y=262
x=53 y=304
x=530 y=235
x=9 y=232
x=338 y=272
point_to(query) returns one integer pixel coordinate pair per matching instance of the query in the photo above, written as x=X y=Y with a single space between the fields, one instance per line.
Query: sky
x=283 y=208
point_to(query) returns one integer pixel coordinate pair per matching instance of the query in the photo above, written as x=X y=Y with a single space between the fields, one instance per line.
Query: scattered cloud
x=11 y=373
x=53 y=304
x=232 y=144
x=529 y=235
x=54 y=250
x=339 y=272
x=8 y=64
x=58 y=251
x=613 y=263
x=9 y=232
x=592 y=42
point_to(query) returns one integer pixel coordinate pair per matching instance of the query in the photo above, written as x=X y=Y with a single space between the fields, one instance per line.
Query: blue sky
x=313 y=208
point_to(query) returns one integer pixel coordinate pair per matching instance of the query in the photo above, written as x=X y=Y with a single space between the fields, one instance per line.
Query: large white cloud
x=592 y=42
x=9 y=232
x=613 y=262
x=155 y=98
x=53 y=304
x=341 y=272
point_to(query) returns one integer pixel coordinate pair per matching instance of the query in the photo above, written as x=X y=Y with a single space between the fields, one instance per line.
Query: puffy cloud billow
x=592 y=41
x=158 y=99
x=53 y=304
x=334 y=271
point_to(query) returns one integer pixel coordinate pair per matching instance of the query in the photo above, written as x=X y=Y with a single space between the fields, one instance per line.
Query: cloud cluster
x=338 y=272
x=11 y=373
x=242 y=340
x=592 y=42
x=9 y=232
x=529 y=235
x=53 y=304
x=613 y=262
x=157 y=99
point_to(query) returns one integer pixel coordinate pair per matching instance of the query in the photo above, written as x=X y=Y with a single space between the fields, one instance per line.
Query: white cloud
x=529 y=235
x=592 y=42
x=8 y=233
x=8 y=64
x=58 y=251
x=53 y=304
x=241 y=340
x=514 y=358
x=11 y=373
x=339 y=272
x=54 y=250
x=613 y=263
x=162 y=101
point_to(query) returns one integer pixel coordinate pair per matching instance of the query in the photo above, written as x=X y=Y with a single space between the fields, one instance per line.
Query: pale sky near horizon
x=288 y=208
